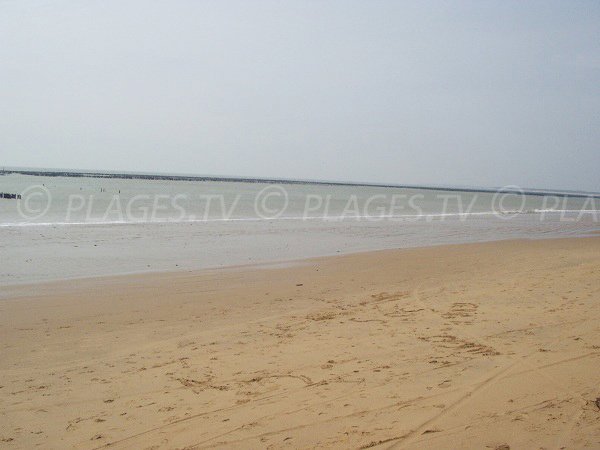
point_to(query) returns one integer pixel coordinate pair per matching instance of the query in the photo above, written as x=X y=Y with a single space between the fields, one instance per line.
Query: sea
x=67 y=224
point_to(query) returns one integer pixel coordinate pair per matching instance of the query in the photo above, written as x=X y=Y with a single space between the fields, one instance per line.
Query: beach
x=308 y=225
x=481 y=345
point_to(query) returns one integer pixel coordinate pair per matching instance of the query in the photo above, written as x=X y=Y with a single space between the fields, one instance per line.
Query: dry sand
x=467 y=346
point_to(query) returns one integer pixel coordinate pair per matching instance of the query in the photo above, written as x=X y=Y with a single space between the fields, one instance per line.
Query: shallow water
x=95 y=226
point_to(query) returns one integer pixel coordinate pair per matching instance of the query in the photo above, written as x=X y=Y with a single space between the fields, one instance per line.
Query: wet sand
x=490 y=345
x=32 y=254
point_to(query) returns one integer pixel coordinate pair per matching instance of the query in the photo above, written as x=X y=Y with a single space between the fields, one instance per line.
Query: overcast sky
x=470 y=93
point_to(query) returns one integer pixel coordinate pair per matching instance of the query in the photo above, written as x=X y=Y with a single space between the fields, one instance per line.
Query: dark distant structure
x=164 y=177
x=10 y=196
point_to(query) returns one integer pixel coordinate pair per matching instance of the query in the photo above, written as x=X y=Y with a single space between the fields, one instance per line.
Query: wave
x=338 y=218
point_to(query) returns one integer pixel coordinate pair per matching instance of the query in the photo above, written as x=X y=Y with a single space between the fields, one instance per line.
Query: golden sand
x=465 y=346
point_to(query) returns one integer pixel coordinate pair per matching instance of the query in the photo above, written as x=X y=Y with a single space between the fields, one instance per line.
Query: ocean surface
x=67 y=227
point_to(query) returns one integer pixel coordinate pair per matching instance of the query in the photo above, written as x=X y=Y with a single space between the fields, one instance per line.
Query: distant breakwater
x=164 y=177
x=10 y=196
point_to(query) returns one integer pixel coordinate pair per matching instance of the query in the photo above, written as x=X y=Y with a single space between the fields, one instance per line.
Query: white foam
x=298 y=218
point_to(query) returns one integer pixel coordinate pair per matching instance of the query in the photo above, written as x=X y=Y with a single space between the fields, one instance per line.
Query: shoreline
x=464 y=345
x=291 y=262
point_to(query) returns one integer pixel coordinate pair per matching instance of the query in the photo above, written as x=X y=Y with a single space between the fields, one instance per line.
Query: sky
x=478 y=93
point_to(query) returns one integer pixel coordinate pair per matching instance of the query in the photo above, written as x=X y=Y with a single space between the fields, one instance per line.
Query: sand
x=493 y=345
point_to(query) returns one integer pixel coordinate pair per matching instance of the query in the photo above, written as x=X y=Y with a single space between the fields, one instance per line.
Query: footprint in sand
x=461 y=313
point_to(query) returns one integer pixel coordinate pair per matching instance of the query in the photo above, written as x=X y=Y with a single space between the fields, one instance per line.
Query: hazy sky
x=469 y=93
